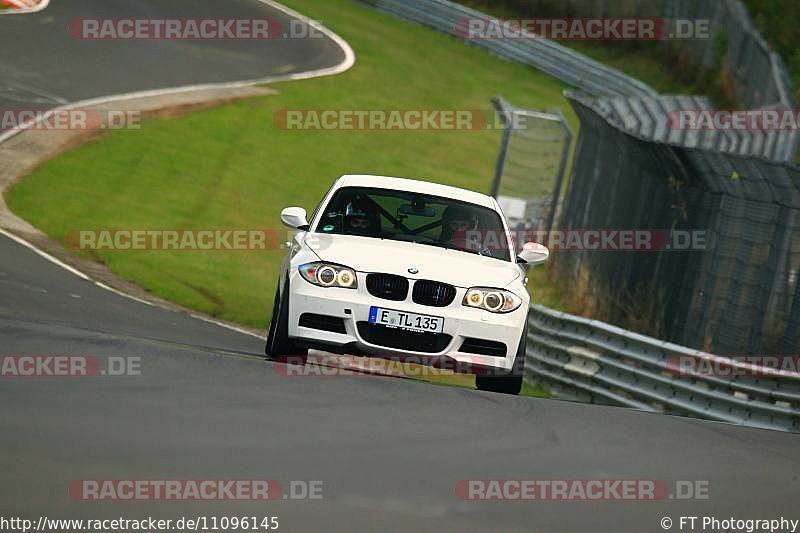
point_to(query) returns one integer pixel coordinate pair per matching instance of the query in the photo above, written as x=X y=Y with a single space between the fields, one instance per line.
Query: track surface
x=389 y=452
x=43 y=66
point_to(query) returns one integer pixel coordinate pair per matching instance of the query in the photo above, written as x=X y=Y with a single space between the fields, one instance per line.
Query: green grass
x=231 y=167
x=467 y=381
x=777 y=22
x=452 y=379
x=645 y=61
x=544 y=291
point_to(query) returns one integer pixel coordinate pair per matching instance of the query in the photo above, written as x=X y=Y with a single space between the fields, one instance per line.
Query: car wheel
x=279 y=345
x=510 y=383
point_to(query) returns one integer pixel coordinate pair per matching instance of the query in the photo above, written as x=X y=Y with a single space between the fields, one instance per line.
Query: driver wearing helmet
x=361 y=218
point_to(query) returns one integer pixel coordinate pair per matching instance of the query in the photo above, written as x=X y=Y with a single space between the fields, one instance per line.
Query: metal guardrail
x=650 y=118
x=559 y=61
x=760 y=78
x=601 y=363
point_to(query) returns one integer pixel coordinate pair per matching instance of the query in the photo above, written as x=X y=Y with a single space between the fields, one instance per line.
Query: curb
x=23 y=7
x=190 y=97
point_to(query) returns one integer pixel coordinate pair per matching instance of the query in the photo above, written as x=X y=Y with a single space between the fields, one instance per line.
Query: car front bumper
x=352 y=306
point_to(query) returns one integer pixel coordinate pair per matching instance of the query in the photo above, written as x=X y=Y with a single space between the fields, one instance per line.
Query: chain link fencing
x=551 y=58
x=734 y=51
x=737 y=293
x=633 y=171
x=753 y=75
x=530 y=168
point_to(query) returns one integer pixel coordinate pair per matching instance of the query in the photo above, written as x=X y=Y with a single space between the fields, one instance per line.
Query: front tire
x=279 y=345
x=510 y=383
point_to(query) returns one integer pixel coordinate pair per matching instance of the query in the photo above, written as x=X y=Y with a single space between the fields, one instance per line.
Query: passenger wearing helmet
x=361 y=218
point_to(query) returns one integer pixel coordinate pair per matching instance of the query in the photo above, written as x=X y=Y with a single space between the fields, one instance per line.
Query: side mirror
x=533 y=254
x=295 y=218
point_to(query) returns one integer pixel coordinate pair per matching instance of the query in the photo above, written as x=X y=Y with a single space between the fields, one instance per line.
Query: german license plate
x=404 y=320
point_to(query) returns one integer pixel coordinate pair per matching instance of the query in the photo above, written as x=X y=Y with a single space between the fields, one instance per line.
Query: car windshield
x=410 y=217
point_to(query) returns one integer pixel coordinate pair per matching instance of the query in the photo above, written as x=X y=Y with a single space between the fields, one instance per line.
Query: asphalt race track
x=206 y=406
x=42 y=65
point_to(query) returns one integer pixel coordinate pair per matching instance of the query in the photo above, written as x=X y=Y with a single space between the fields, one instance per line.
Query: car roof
x=419 y=186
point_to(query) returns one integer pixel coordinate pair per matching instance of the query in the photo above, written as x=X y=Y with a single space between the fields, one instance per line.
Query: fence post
x=499 y=105
x=562 y=167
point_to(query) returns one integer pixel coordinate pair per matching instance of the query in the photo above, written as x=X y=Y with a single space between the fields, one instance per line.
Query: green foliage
x=233 y=168
x=778 y=21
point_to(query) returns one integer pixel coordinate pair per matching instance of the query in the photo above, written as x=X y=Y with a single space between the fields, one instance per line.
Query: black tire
x=279 y=345
x=509 y=383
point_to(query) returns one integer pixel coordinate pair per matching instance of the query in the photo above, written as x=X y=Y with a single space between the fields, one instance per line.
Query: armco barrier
x=549 y=57
x=601 y=363
x=760 y=79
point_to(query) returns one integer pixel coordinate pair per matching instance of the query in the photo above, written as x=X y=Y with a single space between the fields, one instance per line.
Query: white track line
x=21 y=10
x=349 y=61
x=227 y=326
x=346 y=64
x=120 y=293
x=47 y=256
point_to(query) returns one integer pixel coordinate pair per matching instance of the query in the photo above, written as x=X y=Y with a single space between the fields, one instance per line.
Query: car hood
x=366 y=254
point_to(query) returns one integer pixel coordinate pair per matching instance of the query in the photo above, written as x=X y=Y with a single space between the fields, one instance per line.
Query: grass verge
x=646 y=61
x=467 y=381
x=232 y=167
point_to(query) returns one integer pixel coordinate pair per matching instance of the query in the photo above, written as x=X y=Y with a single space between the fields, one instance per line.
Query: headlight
x=493 y=300
x=329 y=275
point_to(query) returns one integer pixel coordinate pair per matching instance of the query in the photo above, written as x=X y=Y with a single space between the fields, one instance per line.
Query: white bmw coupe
x=400 y=268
